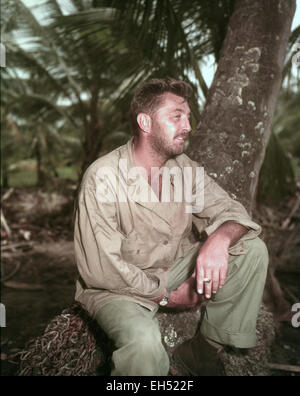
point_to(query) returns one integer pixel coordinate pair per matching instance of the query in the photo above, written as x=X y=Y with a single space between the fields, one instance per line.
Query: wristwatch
x=165 y=300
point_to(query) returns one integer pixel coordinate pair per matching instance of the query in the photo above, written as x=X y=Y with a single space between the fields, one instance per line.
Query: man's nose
x=187 y=125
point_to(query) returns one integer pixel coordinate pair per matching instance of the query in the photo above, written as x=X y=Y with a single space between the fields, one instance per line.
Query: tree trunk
x=234 y=129
x=5 y=183
x=93 y=129
x=92 y=145
x=235 y=126
x=40 y=172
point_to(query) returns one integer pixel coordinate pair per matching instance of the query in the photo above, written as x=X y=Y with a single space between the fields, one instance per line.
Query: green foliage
x=281 y=166
x=54 y=89
x=276 y=179
x=23 y=179
x=155 y=37
x=70 y=77
x=286 y=123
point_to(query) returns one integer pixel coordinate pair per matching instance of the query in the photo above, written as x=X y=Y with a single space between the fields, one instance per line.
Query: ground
x=39 y=272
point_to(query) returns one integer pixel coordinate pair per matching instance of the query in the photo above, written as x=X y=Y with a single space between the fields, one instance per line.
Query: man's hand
x=186 y=295
x=212 y=260
x=212 y=265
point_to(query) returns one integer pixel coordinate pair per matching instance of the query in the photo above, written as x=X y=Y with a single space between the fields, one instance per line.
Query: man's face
x=170 y=126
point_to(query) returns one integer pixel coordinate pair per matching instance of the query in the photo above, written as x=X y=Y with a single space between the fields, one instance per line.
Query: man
x=135 y=249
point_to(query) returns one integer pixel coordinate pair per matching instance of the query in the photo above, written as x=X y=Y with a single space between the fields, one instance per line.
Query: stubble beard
x=162 y=147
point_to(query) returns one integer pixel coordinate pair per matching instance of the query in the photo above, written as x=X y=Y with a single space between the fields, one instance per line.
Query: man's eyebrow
x=180 y=111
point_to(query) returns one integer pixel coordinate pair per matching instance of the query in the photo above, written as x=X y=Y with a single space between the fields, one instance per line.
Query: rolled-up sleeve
x=219 y=208
x=98 y=243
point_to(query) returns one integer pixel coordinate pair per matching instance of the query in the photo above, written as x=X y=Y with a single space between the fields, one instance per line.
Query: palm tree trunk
x=91 y=146
x=40 y=172
x=235 y=126
x=93 y=128
x=5 y=183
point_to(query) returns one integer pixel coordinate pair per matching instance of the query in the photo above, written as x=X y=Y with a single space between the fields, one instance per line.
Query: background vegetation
x=72 y=67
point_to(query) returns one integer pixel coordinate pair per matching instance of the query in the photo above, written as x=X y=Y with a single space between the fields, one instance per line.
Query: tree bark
x=92 y=145
x=93 y=131
x=5 y=183
x=234 y=129
x=40 y=172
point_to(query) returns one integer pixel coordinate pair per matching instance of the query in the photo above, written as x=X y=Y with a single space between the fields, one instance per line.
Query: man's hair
x=149 y=96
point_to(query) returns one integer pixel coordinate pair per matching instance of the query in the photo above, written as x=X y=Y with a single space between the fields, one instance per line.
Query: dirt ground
x=38 y=271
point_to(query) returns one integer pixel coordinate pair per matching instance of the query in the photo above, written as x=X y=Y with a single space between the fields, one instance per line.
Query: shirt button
x=166 y=242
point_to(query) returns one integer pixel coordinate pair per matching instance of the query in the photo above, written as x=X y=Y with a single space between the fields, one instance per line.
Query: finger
x=200 y=277
x=215 y=281
x=208 y=285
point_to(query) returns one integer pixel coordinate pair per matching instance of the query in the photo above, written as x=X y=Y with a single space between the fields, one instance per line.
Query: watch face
x=163 y=302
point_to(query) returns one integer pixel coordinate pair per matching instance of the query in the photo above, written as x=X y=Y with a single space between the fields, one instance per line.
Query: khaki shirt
x=125 y=245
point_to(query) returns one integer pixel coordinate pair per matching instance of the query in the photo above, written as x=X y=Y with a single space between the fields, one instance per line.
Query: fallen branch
x=23 y=286
x=15 y=270
x=293 y=211
x=7 y=194
x=5 y=225
x=13 y=246
x=284 y=367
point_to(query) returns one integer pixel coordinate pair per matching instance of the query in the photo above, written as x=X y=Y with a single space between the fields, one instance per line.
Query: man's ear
x=144 y=121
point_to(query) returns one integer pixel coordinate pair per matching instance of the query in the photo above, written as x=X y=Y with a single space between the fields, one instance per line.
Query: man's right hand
x=185 y=296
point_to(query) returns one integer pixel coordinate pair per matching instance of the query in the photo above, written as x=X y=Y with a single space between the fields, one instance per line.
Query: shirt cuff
x=239 y=247
x=163 y=279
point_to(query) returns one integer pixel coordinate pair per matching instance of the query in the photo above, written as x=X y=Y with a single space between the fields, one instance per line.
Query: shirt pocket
x=135 y=251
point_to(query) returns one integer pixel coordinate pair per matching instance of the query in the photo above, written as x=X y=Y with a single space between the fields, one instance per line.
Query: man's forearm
x=230 y=231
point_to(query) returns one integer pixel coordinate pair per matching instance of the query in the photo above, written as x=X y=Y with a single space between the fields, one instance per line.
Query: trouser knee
x=146 y=344
x=258 y=251
x=142 y=354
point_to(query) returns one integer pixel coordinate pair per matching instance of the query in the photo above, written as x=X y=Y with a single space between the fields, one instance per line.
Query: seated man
x=135 y=251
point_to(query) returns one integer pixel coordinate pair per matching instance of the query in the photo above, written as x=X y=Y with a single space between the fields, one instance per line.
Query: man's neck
x=144 y=156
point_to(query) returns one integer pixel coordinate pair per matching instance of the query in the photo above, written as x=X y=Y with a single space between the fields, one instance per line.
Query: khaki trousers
x=230 y=316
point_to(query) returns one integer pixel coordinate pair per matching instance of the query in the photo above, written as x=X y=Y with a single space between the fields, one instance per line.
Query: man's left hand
x=212 y=264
